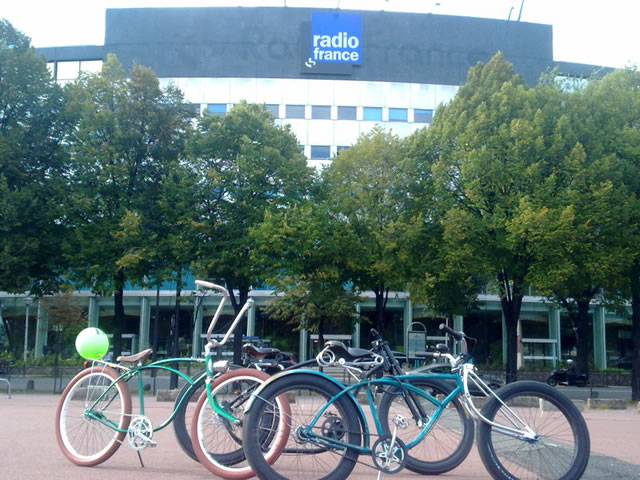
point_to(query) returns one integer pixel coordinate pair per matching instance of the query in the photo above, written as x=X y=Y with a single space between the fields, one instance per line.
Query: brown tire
x=217 y=442
x=87 y=441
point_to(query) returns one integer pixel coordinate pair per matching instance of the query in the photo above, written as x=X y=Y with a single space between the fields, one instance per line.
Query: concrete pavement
x=28 y=448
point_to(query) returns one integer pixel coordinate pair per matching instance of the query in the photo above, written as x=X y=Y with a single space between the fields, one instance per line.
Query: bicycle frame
x=136 y=372
x=387 y=381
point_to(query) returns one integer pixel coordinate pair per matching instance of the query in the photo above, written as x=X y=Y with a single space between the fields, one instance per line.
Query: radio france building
x=332 y=75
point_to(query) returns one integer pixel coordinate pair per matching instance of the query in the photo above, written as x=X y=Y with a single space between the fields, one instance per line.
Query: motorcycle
x=567 y=376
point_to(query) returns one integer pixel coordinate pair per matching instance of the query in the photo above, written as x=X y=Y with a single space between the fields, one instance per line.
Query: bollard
x=30 y=385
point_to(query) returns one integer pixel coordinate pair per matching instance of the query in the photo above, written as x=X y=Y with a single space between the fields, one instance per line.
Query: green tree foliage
x=303 y=251
x=32 y=125
x=129 y=135
x=366 y=188
x=491 y=142
x=245 y=165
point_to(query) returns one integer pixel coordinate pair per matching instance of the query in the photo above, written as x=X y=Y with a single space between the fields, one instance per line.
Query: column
x=599 y=339
x=145 y=322
x=554 y=333
x=458 y=325
x=251 y=321
x=196 y=341
x=304 y=342
x=42 y=329
x=355 y=338
x=93 y=315
x=407 y=318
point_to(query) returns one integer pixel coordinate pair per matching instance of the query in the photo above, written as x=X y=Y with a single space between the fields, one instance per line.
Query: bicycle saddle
x=259 y=352
x=348 y=353
x=140 y=356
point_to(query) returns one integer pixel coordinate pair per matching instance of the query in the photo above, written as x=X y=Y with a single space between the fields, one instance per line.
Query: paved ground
x=28 y=448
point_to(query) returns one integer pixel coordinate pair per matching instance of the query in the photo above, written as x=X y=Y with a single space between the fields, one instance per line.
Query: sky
x=597 y=32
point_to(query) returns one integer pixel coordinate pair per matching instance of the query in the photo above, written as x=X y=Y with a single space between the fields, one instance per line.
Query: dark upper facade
x=274 y=42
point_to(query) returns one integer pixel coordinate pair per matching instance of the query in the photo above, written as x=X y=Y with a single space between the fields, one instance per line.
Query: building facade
x=332 y=75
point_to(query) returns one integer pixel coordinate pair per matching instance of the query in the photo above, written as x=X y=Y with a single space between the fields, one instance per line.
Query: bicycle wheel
x=304 y=456
x=184 y=414
x=83 y=440
x=217 y=441
x=448 y=442
x=560 y=448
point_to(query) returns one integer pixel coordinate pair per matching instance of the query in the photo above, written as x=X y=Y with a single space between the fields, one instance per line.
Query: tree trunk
x=118 y=316
x=8 y=331
x=173 y=378
x=582 y=330
x=381 y=304
x=511 y=301
x=635 y=333
x=511 y=311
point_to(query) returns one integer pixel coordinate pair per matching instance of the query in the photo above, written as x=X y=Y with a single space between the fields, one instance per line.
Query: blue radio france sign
x=336 y=38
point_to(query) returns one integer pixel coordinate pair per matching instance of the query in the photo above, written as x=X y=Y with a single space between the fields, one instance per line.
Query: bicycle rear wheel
x=304 y=456
x=448 y=442
x=217 y=441
x=560 y=447
x=84 y=440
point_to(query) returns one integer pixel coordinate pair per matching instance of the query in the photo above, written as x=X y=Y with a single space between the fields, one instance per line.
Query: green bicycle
x=94 y=414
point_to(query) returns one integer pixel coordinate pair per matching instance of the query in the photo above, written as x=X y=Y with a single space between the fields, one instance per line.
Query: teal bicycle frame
x=400 y=381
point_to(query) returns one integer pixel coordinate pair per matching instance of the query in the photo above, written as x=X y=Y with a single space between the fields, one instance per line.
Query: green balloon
x=92 y=343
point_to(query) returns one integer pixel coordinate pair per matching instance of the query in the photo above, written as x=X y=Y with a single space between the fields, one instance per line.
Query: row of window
x=324 y=112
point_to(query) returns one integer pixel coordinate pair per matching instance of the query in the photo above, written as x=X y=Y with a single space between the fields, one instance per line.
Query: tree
x=366 y=189
x=245 y=165
x=491 y=142
x=303 y=251
x=129 y=133
x=32 y=125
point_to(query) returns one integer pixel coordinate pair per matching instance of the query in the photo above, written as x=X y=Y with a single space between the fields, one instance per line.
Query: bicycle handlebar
x=211 y=343
x=457 y=335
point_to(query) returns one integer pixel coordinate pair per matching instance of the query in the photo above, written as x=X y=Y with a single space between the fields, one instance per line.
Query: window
x=346 y=113
x=397 y=114
x=216 y=108
x=372 y=114
x=321 y=112
x=195 y=108
x=422 y=116
x=295 y=111
x=341 y=147
x=320 y=152
x=273 y=109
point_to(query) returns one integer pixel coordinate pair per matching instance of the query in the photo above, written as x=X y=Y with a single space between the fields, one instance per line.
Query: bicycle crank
x=140 y=433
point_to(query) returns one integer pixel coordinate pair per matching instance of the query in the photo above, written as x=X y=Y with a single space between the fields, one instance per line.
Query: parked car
x=492 y=381
x=624 y=362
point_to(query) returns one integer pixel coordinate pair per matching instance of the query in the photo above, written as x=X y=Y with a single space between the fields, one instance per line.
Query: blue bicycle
x=422 y=422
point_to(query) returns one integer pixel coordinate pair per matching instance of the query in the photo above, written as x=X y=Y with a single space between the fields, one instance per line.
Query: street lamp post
x=27 y=302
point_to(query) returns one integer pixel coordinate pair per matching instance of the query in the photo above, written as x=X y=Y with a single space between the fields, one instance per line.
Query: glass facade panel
x=373 y=114
x=216 y=108
x=321 y=112
x=397 y=114
x=273 y=109
x=68 y=70
x=295 y=111
x=91 y=66
x=347 y=113
x=320 y=152
x=422 y=115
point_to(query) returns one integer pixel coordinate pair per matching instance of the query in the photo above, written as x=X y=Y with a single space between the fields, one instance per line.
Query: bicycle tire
x=184 y=413
x=561 y=448
x=448 y=442
x=301 y=458
x=85 y=441
x=216 y=443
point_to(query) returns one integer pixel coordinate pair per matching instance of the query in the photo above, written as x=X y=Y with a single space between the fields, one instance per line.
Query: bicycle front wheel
x=184 y=408
x=449 y=440
x=314 y=450
x=85 y=440
x=558 y=447
x=217 y=440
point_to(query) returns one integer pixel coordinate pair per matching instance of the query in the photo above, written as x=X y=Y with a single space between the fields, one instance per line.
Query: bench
x=5 y=376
